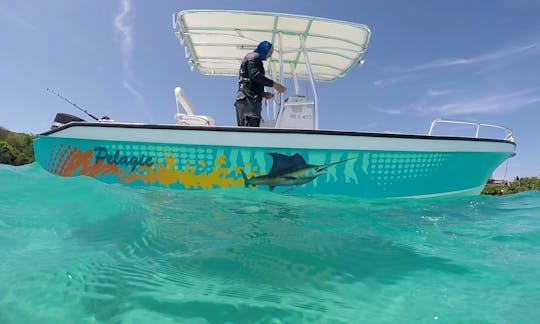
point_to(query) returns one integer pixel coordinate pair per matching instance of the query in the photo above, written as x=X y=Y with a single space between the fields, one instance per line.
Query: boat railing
x=508 y=135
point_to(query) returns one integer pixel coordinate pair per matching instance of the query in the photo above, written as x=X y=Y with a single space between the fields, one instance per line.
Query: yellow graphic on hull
x=76 y=162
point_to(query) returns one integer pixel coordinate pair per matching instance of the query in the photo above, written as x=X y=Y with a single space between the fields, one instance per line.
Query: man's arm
x=255 y=74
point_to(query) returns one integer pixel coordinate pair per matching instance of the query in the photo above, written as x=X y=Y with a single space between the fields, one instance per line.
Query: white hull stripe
x=296 y=140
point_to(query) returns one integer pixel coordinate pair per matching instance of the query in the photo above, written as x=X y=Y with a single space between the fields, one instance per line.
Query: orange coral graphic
x=78 y=162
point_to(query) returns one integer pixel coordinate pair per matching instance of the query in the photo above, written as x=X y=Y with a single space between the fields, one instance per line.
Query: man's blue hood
x=263 y=48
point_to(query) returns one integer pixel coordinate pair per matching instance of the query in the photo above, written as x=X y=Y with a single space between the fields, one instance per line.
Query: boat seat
x=194 y=120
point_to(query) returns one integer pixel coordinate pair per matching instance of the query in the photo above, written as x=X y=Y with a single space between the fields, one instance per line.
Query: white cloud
x=123 y=23
x=493 y=56
x=389 y=111
x=124 y=27
x=437 y=93
x=490 y=104
x=16 y=19
x=390 y=81
x=407 y=73
x=131 y=89
x=385 y=82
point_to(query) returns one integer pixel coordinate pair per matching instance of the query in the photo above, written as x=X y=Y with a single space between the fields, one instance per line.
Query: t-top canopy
x=217 y=41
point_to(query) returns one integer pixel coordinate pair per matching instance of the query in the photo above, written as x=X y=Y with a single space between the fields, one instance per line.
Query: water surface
x=78 y=250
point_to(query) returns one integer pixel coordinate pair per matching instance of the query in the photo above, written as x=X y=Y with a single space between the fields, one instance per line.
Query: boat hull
x=363 y=165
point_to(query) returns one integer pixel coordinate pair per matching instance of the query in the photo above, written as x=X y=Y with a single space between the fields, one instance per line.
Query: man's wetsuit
x=251 y=85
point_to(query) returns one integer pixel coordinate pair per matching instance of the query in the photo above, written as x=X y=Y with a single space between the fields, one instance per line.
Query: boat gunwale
x=273 y=130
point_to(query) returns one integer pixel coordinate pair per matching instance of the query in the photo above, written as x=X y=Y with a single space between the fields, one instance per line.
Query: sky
x=462 y=59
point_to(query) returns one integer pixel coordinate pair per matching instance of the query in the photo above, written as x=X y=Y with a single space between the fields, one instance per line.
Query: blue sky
x=473 y=60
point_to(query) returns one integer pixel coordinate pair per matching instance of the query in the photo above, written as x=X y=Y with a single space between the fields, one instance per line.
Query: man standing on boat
x=251 y=83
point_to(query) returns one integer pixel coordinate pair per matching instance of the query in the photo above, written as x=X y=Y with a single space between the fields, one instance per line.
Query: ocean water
x=75 y=250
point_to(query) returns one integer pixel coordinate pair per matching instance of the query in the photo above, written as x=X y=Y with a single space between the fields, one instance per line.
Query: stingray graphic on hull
x=289 y=171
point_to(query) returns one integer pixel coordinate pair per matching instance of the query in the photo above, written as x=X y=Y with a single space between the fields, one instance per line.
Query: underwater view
x=79 y=250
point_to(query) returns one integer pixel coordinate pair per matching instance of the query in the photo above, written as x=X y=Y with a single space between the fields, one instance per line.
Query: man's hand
x=268 y=95
x=279 y=87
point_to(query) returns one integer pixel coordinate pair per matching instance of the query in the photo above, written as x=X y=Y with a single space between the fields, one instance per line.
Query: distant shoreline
x=16 y=148
x=511 y=187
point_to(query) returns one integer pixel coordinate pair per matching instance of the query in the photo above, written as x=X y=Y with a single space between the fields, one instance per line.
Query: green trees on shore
x=514 y=186
x=16 y=148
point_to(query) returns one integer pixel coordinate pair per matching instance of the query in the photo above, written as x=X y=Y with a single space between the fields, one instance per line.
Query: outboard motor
x=62 y=118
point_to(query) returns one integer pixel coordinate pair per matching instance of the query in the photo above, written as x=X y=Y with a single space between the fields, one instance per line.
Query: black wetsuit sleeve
x=256 y=75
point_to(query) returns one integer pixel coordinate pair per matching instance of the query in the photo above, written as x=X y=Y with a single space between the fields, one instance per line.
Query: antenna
x=71 y=103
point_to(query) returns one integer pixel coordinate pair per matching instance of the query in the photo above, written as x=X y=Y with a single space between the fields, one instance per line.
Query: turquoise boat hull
x=342 y=163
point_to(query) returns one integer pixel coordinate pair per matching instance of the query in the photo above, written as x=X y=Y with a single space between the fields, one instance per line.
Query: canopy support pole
x=312 y=80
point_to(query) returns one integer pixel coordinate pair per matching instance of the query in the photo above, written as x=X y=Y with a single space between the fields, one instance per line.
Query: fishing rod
x=71 y=103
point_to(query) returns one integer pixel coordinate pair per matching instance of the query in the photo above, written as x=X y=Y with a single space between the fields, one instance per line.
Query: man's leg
x=240 y=109
x=252 y=121
x=248 y=113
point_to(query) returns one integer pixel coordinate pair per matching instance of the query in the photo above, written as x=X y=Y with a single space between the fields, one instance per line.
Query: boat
x=289 y=153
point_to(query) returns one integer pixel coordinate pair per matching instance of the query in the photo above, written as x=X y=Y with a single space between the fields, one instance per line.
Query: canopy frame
x=308 y=48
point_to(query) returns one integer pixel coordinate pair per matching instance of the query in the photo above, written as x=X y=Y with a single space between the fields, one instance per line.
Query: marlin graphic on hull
x=288 y=171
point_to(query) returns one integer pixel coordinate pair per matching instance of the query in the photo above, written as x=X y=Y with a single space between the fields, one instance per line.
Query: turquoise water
x=81 y=251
